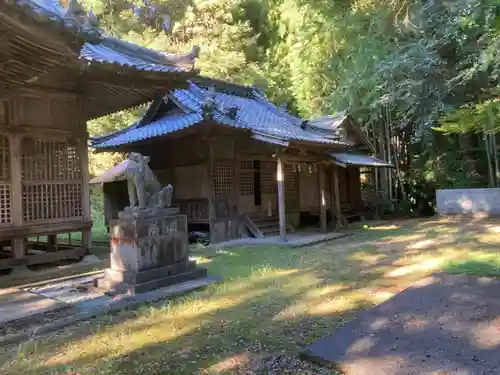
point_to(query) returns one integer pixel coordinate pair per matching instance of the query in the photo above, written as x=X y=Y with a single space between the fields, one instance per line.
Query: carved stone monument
x=149 y=241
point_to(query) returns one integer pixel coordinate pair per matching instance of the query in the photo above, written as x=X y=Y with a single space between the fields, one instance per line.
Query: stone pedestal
x=149 y=250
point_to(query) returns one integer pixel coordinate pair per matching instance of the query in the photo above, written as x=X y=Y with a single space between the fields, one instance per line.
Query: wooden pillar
x=336 y=193
x=333 y=219
x=377 y=214
x=87 y=210
x=16 y=195
x=237 y=187
x=211 y=184
x=322 y=197
x=52 y=242
x=280 y=177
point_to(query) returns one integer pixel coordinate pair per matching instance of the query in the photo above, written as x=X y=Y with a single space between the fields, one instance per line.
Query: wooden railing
x=195 y=209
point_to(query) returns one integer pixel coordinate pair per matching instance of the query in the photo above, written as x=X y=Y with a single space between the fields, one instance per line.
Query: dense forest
x=421 y=76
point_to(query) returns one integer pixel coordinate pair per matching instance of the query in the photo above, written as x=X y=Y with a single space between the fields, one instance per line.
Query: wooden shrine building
x=58 y=70
x=241 y=166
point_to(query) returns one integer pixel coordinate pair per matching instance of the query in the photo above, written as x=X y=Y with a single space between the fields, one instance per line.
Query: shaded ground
x=273 y=301
x=445 y=324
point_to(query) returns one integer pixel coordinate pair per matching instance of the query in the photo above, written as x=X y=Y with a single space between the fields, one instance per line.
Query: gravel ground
x=282 y=364
x=26 y=324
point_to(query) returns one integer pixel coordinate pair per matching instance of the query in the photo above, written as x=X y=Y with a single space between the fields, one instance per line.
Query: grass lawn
x=273 y=300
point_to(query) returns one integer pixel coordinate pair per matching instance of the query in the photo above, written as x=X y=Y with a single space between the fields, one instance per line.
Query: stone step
x=271 y=231
x=166 y=281
x=121 y=288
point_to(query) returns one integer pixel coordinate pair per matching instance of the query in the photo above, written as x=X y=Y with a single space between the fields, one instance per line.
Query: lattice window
x=4 y=159
x=290 y=179
x=5 y=213
x=246 y=177
x=268 y=182
x=52 y=180
x=224 y=179
x=5 y=187
x=49 y=161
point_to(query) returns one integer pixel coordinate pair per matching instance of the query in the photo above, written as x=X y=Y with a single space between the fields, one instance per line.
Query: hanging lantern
x=310 y=169
x=298 y=167
x=294 y=168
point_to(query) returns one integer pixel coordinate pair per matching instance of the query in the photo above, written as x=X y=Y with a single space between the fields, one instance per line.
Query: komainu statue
x=144 y=189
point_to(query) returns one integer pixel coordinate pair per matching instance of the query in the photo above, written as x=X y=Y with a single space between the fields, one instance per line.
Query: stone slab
x=89 y=309
x=444 y=324
x=293 y=240
x=468 y=201
x=118 y=287
x=17 y=303
x=148 y=275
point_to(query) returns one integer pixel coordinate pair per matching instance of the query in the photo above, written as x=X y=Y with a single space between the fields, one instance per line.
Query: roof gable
x=235 y=106
x=341 y=127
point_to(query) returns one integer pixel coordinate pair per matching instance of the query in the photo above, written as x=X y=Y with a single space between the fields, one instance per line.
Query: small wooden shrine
x=242 y=166
x=58 y=71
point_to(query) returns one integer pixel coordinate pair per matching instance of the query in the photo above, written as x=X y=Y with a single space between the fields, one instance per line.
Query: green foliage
x=420 y=71
x=473 y=118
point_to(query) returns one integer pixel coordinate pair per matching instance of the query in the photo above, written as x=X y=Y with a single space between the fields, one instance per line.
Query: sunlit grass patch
x=476 y=263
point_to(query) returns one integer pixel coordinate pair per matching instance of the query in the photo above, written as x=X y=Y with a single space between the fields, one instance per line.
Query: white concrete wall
x=468 y=201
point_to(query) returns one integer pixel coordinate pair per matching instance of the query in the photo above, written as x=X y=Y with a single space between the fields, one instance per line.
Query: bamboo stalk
x=389 y=155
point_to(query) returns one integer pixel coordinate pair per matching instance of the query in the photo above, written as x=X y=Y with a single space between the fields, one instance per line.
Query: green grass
x=272 y=300
x=478 y=265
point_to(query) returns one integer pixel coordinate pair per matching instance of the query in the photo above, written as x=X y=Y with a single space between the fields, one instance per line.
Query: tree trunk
x=469 y=162
x=490 y=169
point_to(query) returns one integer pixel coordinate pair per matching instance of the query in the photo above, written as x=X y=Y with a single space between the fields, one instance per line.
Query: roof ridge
x=221 y=85
x=154 y=56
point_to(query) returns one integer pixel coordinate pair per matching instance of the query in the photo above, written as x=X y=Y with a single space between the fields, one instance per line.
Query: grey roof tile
x=105 y=53
x=154 y=129
x=357 y=159
x=53 y=12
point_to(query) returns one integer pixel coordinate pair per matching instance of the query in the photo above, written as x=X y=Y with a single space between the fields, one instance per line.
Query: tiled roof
x=158 y=128
x=98 y=47
x=51 y=11
x=356 y=159
x=116 y=51
x=254 y=113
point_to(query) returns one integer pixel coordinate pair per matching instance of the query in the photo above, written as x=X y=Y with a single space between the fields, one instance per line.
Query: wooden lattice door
x=5 y=182
x=51 y=180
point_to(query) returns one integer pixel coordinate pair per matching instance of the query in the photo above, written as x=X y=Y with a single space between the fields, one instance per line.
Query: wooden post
x=322 y=197
x=377 y=215
x=87 y=211
x=333 y=219
x=16 y=195
x=211 y=184
x=336 y=193
x=280 y=177
x=52 y=242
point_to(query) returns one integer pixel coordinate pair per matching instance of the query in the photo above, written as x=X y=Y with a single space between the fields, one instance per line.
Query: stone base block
x=114 y=281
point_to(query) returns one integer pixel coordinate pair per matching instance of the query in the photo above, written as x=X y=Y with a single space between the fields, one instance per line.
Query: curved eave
x=27 y=14
x=29 y=48
x=110 y=87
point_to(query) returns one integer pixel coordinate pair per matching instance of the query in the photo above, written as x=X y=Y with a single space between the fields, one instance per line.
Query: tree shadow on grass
x=272 y=300
x=245 y=313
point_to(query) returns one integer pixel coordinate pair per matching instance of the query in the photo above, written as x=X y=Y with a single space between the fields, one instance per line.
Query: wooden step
x=271 y=231
x=261 y=225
